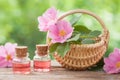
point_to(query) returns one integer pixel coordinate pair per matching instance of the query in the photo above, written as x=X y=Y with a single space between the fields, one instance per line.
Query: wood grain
x=58 y=73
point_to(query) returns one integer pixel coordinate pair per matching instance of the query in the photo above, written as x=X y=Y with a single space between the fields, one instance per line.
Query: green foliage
x=53 y=47
x=60 y=48
x=75 y=38
x=95 y=33
x=63 y=48
x=88 y=41
x=82 y=29
x=74 y=20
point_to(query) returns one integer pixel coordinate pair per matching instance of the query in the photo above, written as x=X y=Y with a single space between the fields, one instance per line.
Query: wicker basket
x=80 y=57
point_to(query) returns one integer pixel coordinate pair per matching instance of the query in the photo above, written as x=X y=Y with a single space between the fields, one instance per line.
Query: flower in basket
x=6 y=54
x=62 y=33
x=47 y=19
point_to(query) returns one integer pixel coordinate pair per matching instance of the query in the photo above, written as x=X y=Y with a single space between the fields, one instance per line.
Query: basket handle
x=105 y=30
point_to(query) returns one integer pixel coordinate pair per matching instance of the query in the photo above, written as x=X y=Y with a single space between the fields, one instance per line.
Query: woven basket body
x=80 y=57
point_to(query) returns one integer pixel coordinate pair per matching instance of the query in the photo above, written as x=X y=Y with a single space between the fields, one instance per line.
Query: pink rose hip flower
x=6 y=54
x=112 y=63
x=47 y=19
x=60 y=32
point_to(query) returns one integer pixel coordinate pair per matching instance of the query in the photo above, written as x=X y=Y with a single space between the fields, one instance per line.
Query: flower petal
x=107 y=61
x=42 y=24
x=56 y=29
x=47 y=19
x=3 y=62
x=111 y=62
x=51 y=13
x=9 y=63
x=10 y=48
x=115 y=55
x=53 y=32
x=58 y=40
x=2 y=51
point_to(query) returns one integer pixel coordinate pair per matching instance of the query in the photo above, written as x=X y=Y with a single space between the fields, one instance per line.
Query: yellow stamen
x=62 y=33
x=118 y=65
x=8 y=57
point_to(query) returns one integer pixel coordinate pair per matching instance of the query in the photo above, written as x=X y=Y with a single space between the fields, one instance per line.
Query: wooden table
x=58 y=73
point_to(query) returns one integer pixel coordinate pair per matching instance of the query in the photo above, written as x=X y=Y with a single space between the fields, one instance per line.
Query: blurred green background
x=18 y=19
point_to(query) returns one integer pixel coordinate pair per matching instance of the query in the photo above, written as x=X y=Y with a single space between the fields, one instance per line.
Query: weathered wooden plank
x=57 y=73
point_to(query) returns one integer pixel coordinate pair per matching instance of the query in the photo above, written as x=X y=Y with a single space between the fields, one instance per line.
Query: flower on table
x=112 y=63
x=47 y=19
x=60 y=32
x=6 y=54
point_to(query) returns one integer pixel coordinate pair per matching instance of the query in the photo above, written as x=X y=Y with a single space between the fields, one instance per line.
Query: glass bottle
x=21 y=62
x=42 y=62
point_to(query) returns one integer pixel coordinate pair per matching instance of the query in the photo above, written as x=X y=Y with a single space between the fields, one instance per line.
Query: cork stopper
x=21 y=51
x=42 y=49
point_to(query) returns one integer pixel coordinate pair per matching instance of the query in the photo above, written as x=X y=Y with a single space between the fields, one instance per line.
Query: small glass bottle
x=42 y=62
x=21 y=62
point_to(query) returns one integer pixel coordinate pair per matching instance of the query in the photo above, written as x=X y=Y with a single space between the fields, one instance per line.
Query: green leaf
x=75 y=38
x=76 y=42
x=95 y=33
x=82 y=29
x=51 y=56
x=87 y=41
x=83 y=36
x=63 y=48
x=74 y=20
x=53 y=47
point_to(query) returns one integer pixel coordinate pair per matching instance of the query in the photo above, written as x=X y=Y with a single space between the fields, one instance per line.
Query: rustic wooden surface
x=58 y=73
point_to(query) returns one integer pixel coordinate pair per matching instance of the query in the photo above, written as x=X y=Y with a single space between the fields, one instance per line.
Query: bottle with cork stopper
x=42 y=61
x=21 y=61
